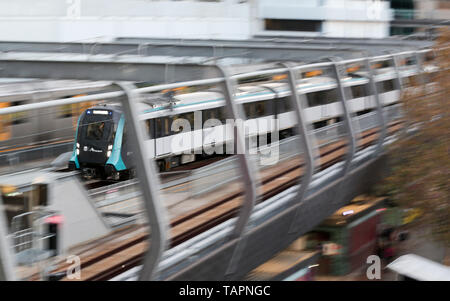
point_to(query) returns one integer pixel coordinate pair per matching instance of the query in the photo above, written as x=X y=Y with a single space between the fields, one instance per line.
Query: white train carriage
x=262 y=102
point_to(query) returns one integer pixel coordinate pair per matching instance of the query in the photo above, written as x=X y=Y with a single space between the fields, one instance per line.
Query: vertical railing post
x=247 y=176
x=149 y=184
x=399 y=79
x=347 y=118
x=380 y=114
x=6 y=250
x=420 y=69
x=297 y=101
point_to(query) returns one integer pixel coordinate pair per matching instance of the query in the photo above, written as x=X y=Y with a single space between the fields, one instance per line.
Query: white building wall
x=341 y=18
x=355 y=29
x=432 y=9
x=70 y=20
x=74 y=20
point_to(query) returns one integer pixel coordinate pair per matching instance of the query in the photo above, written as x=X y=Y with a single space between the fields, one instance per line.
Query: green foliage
x=420 y=161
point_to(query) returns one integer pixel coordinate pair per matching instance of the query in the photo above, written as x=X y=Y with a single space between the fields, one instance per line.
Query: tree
x=419 y=161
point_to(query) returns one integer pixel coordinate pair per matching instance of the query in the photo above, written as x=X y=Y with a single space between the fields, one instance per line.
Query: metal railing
x=128 y=95
x=29 y=236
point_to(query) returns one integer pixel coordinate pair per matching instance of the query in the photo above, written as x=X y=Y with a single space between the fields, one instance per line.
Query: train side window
x=166 y=126
x=162 y=127
x=331 y=96
x=385 y=86
x=257 y=109
x=149 y=127
x=180 y=116
x=269 y=107
x=249 y=109
x=320 y=124
x=19 y=117
x=158 y=126
x=321 y=97
x=283 y=105
x=5 y=129
x=313 y=99
x=359 y=91
x=260 y=109
x=389 y=85
x=215 y=113
x=65 y=111
x=189 y=117
x=222 y=114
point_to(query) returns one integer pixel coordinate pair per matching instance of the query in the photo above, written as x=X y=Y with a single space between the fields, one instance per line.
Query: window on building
x=293 y=25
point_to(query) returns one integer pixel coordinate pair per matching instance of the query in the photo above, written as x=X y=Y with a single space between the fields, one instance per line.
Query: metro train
x=101 y=149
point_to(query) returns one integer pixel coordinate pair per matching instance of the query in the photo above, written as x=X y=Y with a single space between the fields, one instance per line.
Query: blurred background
x=61 y=218
x=71 y=20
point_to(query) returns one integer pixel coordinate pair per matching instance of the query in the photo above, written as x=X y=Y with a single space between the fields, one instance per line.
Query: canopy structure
x=420 y=268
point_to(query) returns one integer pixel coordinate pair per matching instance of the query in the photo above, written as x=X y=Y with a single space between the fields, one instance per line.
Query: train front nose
x=95 y=139
x=93 y=154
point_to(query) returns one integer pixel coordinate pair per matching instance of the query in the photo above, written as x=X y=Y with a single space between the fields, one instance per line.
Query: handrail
x=149 y=184
x=147 y=174
x=379 y=106
x=297 y=101
x=247 y=174
x=347 y=118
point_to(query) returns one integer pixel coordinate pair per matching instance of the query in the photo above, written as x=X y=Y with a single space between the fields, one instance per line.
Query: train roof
x=246 y=92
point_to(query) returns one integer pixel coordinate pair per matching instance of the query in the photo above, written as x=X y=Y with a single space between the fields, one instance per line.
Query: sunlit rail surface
x=151 y=197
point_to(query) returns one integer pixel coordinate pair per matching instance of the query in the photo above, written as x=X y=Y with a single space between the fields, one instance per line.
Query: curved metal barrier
x=235 y=235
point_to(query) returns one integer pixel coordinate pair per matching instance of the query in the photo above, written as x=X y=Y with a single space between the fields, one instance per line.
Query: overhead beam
x=60 y=66
x=351 y=45
x=262 y=50
x=281 y=39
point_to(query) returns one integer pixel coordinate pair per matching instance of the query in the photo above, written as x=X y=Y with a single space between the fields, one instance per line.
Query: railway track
x=174 y=174
x=124 y=249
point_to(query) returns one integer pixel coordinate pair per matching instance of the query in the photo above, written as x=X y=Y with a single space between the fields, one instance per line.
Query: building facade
x=75 y=20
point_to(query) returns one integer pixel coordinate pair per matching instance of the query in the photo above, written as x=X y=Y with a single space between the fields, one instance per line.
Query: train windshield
x=97 y=127
x=95 y=130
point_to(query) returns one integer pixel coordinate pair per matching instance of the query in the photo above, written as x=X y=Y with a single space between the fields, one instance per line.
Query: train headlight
x=78 y=145
x=78 y=151
x=110 y=147
x=108 y=154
